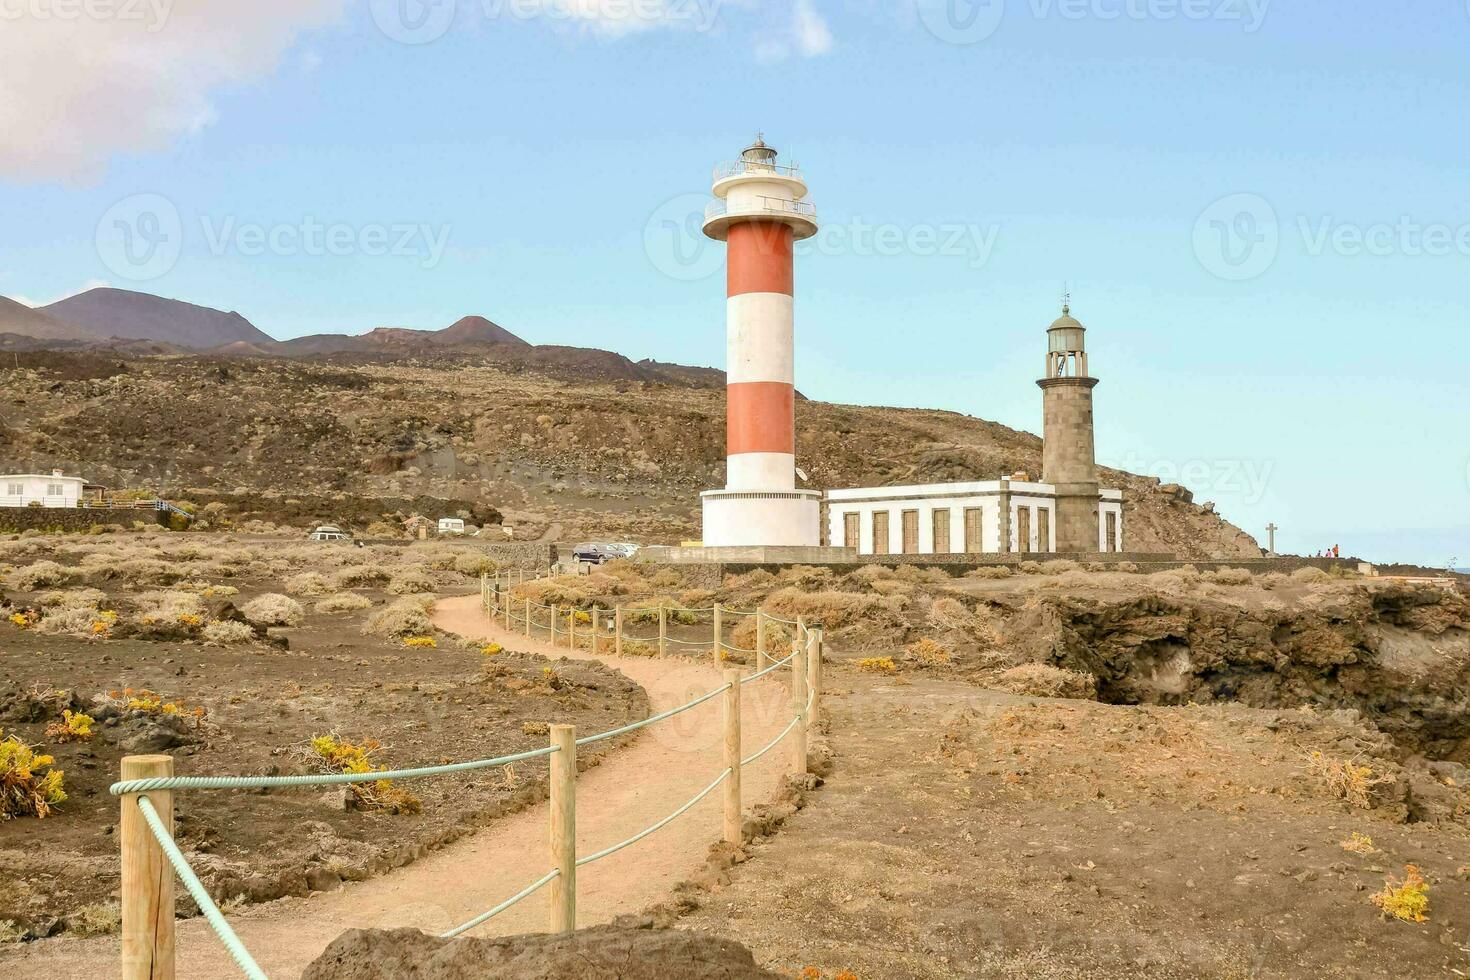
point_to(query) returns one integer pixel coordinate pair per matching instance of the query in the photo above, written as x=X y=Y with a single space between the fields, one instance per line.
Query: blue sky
x=1259 y=207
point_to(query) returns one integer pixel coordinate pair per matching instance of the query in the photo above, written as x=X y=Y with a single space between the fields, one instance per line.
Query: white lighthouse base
x=747 y=518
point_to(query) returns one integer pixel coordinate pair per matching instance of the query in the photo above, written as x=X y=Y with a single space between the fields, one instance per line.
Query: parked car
x=597 y=552
x=330 y=532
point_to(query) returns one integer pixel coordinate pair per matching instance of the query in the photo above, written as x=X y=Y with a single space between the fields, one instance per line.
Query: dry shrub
x=1309 y=574
x=1057 y=566
x=77 y=621
x=405 y=617
x=1347 y=780
x=930 y=653
x=410 y=581
x=308 y=583
x=1029 y=568
x=1273 y=580
x=333 y=754
x=1126 y=567
x=950 y=614
x=168 y=605
x=148 y=571
x=1406 y=900
x=356 y=576
x=756 y=580
x=29 y=786
x=563 y=590
x=72 y=599
x=39 y=575
x=1231 y=576
x=877 y=665
x=990 y=571
x=1046 y=681
x=1075 y=579
x=778 y=636
x=228 y=632
x=831 y=609
x=273 y=609
x=475 y=564
x=343 y=602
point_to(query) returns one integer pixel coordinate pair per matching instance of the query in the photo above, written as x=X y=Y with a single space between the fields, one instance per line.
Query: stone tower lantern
x=1068 y=460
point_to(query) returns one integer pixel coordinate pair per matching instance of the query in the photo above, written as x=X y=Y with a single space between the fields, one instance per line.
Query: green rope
x=657 y=826
x=211 y=911
x=483 y=917
x=326 y=779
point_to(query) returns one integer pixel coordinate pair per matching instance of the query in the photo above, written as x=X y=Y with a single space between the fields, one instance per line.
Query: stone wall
x=512 y=554
x=73 y=520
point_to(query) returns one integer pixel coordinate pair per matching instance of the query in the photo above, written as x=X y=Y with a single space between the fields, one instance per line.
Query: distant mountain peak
x=110 y=312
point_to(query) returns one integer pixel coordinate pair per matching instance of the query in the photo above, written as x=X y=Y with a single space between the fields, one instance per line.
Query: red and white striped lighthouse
x=760 y=212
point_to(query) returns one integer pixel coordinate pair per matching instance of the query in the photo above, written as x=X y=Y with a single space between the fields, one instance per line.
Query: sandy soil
x=968 y=833
x=634 y=787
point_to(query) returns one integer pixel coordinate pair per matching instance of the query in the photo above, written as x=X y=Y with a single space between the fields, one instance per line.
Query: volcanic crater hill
x=587 y=440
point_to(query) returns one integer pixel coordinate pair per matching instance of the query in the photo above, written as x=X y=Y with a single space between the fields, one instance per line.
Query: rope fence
x=151 y=857
x=601 y=623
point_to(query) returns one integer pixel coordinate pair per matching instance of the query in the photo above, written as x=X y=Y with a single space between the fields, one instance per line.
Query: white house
x=960 y=518
x=34 y=489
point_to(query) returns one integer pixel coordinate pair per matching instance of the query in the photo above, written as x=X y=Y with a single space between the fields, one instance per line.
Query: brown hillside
x=567 y=444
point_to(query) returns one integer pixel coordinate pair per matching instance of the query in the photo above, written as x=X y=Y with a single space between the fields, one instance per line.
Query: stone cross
x=1271 y=530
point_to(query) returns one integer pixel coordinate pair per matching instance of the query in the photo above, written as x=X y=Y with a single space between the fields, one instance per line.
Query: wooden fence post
x=596 y=629
x=564 y=829
x=618 y=631
x=507 y=608
x=571 y=628
x=761 y=660
x=147 y=877
x=732 y=758
x=719 y=636
x=814 y=674
x=528 y=619
x=798 y=708
x=663 y=629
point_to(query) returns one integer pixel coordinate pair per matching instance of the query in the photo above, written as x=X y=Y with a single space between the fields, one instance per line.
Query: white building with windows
x=960 y=518
x=37 y=490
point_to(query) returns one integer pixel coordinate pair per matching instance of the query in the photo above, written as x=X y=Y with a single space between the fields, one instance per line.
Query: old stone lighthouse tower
x=1067 y=457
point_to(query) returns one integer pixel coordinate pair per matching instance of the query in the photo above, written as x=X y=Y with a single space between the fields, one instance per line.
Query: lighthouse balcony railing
x=742 y=167
x=766 y=205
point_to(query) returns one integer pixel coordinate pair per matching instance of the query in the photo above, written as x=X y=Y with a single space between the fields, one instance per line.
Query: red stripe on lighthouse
x=760 y=258
x=760 y=417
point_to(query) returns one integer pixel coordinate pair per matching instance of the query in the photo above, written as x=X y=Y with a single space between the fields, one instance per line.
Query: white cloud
x=82 y=82
x=807 y=35
x=813 y=36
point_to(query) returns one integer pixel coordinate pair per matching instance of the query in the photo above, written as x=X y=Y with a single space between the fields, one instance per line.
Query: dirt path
x=634 y=787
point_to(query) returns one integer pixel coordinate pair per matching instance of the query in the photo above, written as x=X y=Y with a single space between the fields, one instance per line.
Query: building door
x=1023 y=530
x=850 y=533
x=941 y=531
x=1112 y=525
x=974 y=541
x=1043 y=529
x=911 y=532
x=880 y=532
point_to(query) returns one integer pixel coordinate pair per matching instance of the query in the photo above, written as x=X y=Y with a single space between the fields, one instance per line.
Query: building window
x=974 y=543
x=54 y=490
x=911 y=532
x=15 y=489
x=1112 y=532
x=941 y=531
x=880 y=532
